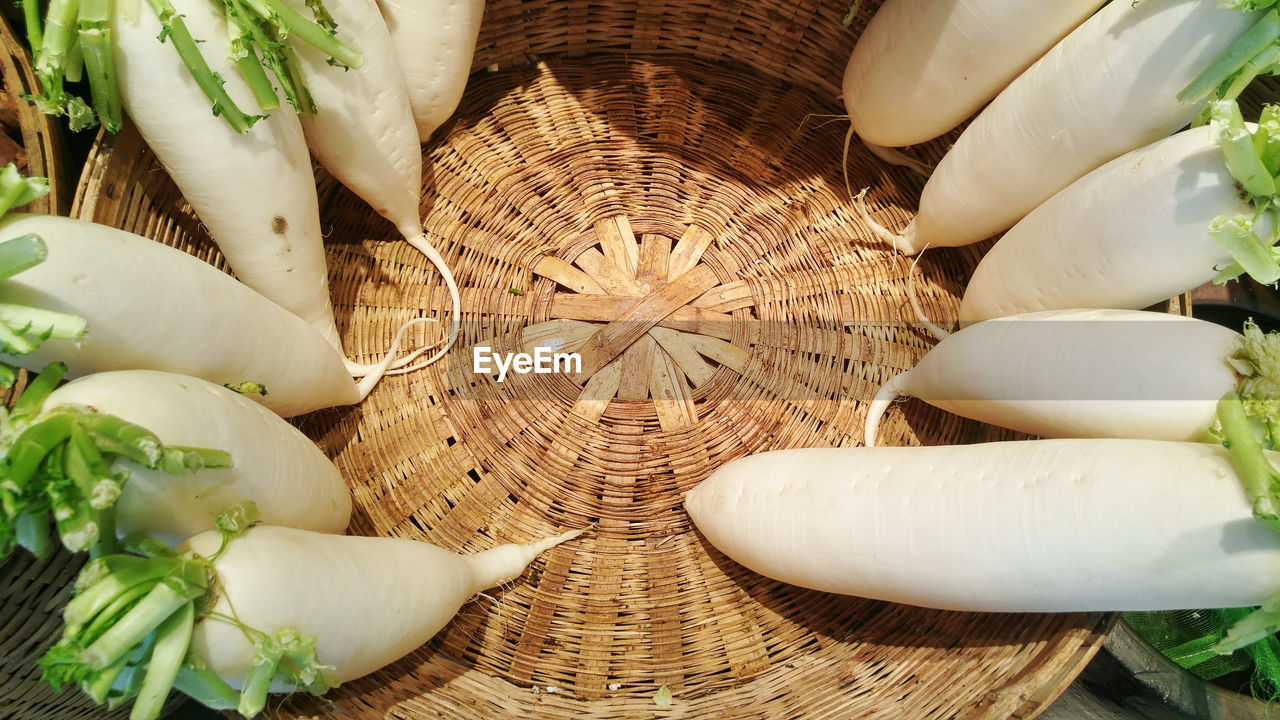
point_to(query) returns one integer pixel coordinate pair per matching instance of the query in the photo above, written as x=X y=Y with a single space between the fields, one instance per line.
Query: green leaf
x=21 y=253
x=663 y=698
x=1229 y=131
x=1236 y=236
x=16 y=190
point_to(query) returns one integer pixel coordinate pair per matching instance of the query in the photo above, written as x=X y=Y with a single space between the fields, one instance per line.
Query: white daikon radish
x=292 y=482
x=435 y=41
x=922 y=66
x=1130 y=234
x=255 y=192
x=1109 y=87
x=1083 y=373
x=291 y=610
x=1031 y=526
x=363 y=131
x=151 y=306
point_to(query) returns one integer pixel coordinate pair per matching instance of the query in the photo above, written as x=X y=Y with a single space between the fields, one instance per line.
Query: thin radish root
x=934 y=330
x=903 y=242
x=896 y=157
x=400 y=366
x=420 y=242
x=879 y=405
x=374 y=373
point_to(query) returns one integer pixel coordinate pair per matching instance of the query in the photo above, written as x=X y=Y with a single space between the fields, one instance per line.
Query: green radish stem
x=59 y=463
x=1234 y=64
x=1253 y=159
x=132 y=617
x=79 y=31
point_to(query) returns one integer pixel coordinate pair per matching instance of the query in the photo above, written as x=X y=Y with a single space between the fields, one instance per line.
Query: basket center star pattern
x=647 y=318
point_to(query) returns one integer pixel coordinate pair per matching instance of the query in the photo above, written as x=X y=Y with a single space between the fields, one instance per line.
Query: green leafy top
x=60 y=462
x=1253 y=159
x=76 y=36
x=128 y=627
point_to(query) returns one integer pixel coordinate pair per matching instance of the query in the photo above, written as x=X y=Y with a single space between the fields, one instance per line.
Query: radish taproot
x=283 y=610
x=435 y=42
x=1110 y=86
x=922 y=66
x=291 y=480
x=364 y=134
x=1145 y=227
x=1087 y=373
x=151 y=306
x=1026 y=526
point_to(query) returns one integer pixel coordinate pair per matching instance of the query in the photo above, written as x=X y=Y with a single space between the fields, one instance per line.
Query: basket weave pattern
x=658 y=186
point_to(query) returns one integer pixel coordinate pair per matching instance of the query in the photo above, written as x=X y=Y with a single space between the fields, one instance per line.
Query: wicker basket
x=679 y=151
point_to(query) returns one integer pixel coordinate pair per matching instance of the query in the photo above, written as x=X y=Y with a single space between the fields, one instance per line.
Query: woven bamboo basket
x=663 y=177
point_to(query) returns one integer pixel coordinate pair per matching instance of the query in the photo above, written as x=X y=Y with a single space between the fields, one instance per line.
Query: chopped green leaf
x=1231 y=134
x=663 y=698
x=248 y=387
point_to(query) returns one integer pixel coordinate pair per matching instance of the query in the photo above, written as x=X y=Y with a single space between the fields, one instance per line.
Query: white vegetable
x=274 y=464
x=255 y=192
x=370 y=600
x=1130 y=234
x=922 y=66
x=151 y=306
x=363 y=131
x=1076 y=373
x=435 y=41
x=1107 y=88
x=1032 y=526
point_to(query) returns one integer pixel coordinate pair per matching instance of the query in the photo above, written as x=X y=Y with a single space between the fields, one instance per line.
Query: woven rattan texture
x=683 y=222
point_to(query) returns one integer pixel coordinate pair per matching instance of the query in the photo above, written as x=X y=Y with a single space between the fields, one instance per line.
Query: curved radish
x=1110 y=86
x=364 y=134
x=290 y=610
x=383 y=597
x=151 y=306
x=1030 y=526
x=435 y=42
x=1132 y=233
x=255 y=192
x=922 y=66
x=1077 y=373
x=292 y=482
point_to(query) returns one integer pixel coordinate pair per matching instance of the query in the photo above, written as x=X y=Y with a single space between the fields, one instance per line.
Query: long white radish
x=292 y=482
x=290 y=610
x=1110 y=86
x=255 y=192
x=1077 y=373
x=1031 y=526
x=151 y=306
x=435 y=41
x=1132 y=233
x=363 y=131
x=922 y=66
x=369 y=600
